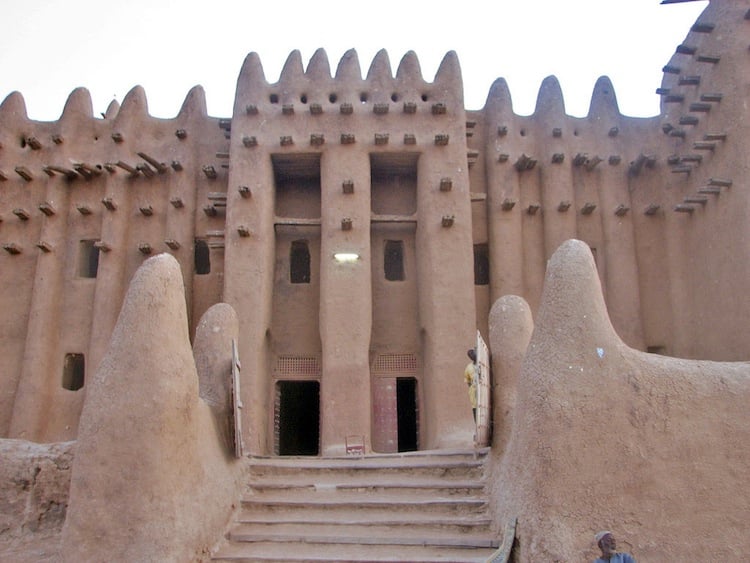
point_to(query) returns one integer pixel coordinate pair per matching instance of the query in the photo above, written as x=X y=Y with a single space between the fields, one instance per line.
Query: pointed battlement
x=298 y=86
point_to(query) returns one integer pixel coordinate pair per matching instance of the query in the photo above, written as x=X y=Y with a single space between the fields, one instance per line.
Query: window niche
x=393 y=183
x=88 y=259
x=481 y=264
x=74 y=371
x=299 y=262
x=297 y=185
x=202 y=258
x=393 y=260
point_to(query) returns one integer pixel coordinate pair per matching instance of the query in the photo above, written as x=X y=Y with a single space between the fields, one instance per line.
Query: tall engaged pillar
x=446 y=300
x=345 y=298
x=112 y=277
x=38 y=385
x=249 y=260
x=445 y=269
x=44 y=410
x=556 y=176
x=503 y=198
x=622 y=280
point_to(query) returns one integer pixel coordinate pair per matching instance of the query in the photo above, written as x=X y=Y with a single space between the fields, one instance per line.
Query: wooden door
x=385 y=414
x=483 y=392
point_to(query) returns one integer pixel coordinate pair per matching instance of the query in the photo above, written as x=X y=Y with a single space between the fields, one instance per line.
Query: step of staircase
x=420 y=506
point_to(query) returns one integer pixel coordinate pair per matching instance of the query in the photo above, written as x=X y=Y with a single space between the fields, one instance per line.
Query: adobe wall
x=84 y=179
x=351 y=139
x=705 y=127
x=551 y=177
x=35 y=482
x=603 y=436
x=660 y=200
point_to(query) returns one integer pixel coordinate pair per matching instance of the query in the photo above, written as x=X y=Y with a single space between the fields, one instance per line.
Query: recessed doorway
x=395 y=415
x=297 y=418
x=406 y=405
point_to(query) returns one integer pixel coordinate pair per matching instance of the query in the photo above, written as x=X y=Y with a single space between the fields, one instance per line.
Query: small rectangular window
x=393 y=260
x=88 y=259
x=74 y=369
x=202 y=258
x=481 y=264
x=299 y=262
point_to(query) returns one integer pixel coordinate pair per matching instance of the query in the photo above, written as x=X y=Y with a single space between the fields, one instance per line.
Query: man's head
x=472 y=354
x=606 y=542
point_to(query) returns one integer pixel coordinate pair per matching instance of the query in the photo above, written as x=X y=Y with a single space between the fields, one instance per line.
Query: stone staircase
x=419 y=506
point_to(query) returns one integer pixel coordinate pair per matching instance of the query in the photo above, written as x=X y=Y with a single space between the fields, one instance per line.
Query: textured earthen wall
x=339 y=125
x=71 y=166
x=153 y=477
x=35 y=481
x=551 y=177
x=659 y=199
x=705 y=126
x=603 y=436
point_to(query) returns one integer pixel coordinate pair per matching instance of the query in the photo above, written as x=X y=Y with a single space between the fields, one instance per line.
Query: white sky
x=50 y=47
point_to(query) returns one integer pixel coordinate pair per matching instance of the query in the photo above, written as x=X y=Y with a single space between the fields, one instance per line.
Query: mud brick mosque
x=351 y=236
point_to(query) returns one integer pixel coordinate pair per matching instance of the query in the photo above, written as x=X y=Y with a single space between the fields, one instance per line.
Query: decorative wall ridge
x=499 y=98
x=13 y=108
x=349 y=68
x=604 y=100
x=293 y=70
x=549 y=101
x=319 y=68
x=380 y=68
x=448 y=75
x=409 y=68
x=112 y=110
x=134 y=105
x=314 y=85
x=194 y=104
x=78 y=105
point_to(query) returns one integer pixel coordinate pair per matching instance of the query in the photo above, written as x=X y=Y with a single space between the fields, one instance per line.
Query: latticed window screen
x=289 y=366
x=395 y=364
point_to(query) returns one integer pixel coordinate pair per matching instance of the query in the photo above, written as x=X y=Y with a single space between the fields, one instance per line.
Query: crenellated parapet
x=83 y=201
x=315 y=89
x=341 y=107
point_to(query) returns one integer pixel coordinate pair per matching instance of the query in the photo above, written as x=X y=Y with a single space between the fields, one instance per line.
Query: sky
x=50 y=47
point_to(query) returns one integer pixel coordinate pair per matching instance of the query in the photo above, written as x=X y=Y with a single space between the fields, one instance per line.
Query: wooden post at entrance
x=482 y=436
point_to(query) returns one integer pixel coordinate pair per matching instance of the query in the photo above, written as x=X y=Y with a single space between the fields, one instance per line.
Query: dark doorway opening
x=74 y=370
x=393 y=260
x=88 y=262
x=297 y=417
x=202 y=258
x=299 y=262
x=406 y=401
x=481 y=264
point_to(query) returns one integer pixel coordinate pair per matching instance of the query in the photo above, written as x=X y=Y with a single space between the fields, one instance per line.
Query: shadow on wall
x=597 y=435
